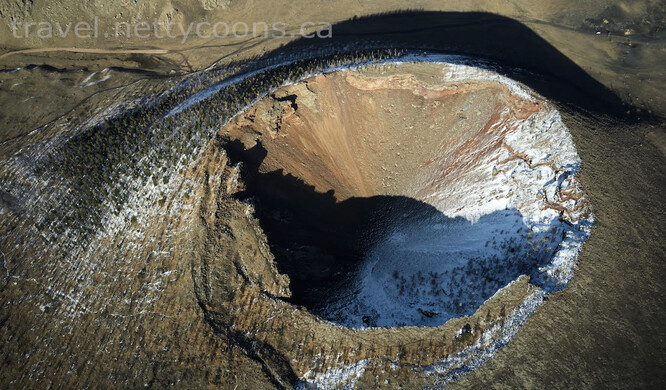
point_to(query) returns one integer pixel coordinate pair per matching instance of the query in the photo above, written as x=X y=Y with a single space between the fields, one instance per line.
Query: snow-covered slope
x=510 y=205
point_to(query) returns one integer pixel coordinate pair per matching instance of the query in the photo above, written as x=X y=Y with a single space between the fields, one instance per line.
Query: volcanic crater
x=409 y=193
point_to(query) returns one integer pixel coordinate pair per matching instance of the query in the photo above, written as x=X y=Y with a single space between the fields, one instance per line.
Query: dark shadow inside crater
x=433 y=266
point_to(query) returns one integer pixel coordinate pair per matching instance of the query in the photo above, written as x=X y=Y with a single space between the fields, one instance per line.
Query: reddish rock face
x=369 y=135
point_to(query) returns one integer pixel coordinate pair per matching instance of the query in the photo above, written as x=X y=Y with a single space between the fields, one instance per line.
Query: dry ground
x=604 y=331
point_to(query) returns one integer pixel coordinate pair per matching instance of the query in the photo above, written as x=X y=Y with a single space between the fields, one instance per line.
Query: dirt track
x=84 y=50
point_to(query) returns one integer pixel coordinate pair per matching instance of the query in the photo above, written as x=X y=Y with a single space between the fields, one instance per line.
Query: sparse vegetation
x=105 y=163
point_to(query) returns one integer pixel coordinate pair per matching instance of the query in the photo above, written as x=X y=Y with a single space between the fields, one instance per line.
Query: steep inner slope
x=410 y=195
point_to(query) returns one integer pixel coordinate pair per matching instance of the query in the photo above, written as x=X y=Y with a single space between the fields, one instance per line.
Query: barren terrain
x=252 y=213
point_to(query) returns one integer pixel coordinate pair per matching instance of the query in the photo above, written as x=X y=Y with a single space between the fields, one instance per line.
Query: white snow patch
x=95 y=78
x=472 y=357
x=339 y=377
